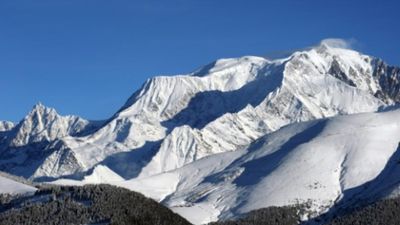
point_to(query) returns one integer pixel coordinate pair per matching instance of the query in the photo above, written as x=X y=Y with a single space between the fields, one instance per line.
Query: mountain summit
x=44 y=124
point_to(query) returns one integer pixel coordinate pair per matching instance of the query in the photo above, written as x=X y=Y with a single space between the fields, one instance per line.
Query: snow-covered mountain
x=44 y=124
x=23 y=147
x=175 y=120
x=6 y=126
x=320 y=163
x=176 y=127
x=325 y=164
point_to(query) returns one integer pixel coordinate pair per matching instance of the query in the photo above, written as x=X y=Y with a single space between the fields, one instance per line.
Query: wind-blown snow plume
x=339 y=43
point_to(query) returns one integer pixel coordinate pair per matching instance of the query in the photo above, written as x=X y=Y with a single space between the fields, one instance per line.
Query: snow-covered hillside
x=9 y=186
x=320 y=163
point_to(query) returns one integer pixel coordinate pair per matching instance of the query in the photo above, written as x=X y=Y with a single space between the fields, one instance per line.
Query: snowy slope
x=339 y=160
x=9 y=186
x=175 y=120
x=321 y=162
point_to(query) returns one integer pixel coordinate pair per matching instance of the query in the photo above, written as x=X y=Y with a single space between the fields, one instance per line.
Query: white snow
x=6 y=126
x=8 y=186
x=44 y=124
x=156 y=188
x=102 y=174
x=311 y=162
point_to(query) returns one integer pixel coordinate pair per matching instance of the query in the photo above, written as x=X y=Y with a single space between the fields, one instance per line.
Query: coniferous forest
x=90 y=204
x=106 y=204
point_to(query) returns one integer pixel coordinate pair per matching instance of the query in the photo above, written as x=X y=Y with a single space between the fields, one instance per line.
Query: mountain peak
x=41 y=109
x=44 y=124
x=39 y=105
x=6 y=125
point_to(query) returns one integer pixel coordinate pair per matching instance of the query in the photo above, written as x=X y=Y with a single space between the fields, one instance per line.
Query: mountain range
x=318 y=128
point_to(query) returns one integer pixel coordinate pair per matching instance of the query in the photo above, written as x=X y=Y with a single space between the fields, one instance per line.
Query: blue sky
x=86 y=57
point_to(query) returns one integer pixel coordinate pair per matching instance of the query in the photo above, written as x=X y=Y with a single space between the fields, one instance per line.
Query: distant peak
x=6 y=125
x=42 y=109
x=39 y=105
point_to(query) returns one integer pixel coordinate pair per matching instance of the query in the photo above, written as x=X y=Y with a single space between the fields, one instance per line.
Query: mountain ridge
x=249 y=96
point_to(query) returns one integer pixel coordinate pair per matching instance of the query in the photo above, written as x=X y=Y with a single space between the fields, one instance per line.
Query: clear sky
x=86 y=57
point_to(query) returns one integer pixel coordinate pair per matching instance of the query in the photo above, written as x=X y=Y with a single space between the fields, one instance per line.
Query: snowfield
x=9 y=186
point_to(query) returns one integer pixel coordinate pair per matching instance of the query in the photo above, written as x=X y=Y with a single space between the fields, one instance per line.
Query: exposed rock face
x=389 y=81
